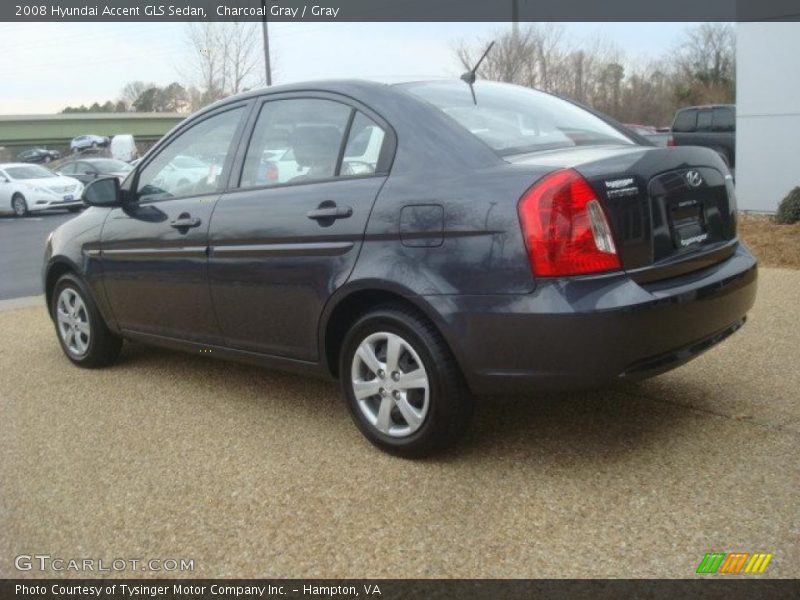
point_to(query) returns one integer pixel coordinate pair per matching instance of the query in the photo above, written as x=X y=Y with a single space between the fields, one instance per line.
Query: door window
x=69 y=168
x=363 y=150
x=704 y=120
x=192 y=164
x=295 y=141
x=723 y=119
x=685 y=121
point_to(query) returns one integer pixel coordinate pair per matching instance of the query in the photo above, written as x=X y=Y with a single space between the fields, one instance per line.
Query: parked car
x=650 y=133
x=82 y=142
x=447 y=262
x=123 y=147
x=712 y=126
x=26 y=188
x=38 y=155
x=89 y=169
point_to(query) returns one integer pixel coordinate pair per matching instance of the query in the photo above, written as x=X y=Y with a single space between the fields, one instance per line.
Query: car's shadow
x=592 y=427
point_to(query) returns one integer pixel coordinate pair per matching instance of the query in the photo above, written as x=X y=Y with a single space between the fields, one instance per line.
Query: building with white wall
x=767 y=113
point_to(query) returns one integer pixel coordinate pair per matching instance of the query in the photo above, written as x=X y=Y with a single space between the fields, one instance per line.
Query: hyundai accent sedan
x=432 y=242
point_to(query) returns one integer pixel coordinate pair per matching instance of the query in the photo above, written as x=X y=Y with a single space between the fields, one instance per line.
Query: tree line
x=225 y=59
x=699 y=69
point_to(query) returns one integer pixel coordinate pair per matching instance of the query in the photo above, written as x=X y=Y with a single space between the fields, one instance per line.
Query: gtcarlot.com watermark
x=45 y=562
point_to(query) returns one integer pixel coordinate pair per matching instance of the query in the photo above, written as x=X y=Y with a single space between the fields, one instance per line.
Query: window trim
x=385 y=158
x=189 y=123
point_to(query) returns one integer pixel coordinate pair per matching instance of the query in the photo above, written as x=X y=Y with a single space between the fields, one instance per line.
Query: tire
x=19 y=205
x=74 y=209
x=94 y=145
x=92 y=345
x=440 y=413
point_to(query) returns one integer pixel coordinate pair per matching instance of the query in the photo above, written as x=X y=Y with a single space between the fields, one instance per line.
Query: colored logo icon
x=734 y=563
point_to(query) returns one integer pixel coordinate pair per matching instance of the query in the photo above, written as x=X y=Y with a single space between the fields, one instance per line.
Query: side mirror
x=104 y=191
x=91 y=173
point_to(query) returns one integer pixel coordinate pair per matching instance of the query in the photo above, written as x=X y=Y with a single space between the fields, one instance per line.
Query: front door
x=289 y=234
x=154 y=249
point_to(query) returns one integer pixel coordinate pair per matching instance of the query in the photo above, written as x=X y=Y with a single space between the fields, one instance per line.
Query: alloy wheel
x=390 y=384
x=20 y=208
x=73 y=322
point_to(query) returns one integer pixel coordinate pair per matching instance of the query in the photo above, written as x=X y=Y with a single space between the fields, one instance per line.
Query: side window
x=363 y=147
x=704 y=120
x=295 y=141
x=192 y=163
x=685 y=121
x=723 y=119
x=69 y=168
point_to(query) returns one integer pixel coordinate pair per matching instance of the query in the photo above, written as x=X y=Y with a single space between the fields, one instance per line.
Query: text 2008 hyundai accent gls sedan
x=418 y=242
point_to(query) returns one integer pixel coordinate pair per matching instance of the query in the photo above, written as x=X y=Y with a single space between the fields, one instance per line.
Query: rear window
x=685 y=121
x=514 y=120
x=723 y=119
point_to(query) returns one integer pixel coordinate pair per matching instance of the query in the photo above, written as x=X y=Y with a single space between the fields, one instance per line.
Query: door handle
x=185 y=222
x=327 y=211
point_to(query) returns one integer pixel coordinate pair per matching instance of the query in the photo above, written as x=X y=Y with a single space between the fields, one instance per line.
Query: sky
x=47 y=66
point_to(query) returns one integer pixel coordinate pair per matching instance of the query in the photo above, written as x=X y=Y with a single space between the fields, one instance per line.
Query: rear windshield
x=515 y=120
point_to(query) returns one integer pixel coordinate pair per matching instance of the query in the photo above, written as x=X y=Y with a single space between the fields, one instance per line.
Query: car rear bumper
x=590 y=331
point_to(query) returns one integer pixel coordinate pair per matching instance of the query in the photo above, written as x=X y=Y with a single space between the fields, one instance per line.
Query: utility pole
x=265 y=34
x=515 y=19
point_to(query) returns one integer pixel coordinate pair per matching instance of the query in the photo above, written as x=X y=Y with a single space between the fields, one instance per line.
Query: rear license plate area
x=688 y=223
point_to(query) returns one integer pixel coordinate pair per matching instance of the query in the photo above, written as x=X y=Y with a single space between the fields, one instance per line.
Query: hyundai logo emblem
x=694 y=179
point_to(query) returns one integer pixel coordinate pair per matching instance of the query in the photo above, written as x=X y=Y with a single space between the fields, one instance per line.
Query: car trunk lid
x=672 y=209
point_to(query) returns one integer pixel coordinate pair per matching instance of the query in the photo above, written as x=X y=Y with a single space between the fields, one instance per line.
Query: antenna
x=469 y=76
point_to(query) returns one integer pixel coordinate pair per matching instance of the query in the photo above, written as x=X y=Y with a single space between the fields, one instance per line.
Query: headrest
x=315 y=144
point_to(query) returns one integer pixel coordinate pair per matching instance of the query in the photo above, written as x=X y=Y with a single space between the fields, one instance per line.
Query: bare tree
x=131 y=92
x=700 y=69
x=225 y=59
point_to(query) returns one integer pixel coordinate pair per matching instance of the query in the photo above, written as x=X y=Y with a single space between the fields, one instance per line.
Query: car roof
x=17 y=164
x=707 y=106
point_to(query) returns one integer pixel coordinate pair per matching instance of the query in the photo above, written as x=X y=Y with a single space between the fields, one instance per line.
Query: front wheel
x=402 y=385
x=19 y=205
x=82 y=333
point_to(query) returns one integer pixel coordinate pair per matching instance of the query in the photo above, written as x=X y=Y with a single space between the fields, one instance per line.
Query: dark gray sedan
x=424 y=243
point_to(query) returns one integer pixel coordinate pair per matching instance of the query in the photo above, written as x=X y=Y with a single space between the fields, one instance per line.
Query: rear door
x=155 y=249
x=289 y=234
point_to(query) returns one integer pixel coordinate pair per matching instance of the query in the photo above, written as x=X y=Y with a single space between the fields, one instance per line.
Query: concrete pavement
x=255 y=473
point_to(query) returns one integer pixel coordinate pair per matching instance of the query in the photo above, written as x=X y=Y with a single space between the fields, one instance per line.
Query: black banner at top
x=400 y=10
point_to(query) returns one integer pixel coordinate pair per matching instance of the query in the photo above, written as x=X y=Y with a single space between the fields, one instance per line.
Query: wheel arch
x=55 y=269
x=352 y=301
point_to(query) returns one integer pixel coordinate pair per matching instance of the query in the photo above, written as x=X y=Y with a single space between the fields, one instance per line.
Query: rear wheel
x=19 y=205
x=74 y=209
x=402 y=385
x=82 y=333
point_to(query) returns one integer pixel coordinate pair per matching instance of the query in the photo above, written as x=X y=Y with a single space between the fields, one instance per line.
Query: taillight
x=670 y=141
x=566 y=231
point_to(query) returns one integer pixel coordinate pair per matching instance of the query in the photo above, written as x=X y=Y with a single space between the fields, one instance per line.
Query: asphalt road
x=254 y=473
x=22 y=251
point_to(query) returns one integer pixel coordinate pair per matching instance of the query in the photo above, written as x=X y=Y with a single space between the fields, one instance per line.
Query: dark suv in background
x=712 y=126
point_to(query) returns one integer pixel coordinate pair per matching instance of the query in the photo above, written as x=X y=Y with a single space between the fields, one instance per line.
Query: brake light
x=566 y=231
x=670 y=141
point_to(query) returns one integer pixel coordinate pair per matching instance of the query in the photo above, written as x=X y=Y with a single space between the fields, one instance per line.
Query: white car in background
x=83 y=142
x=26 y=188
